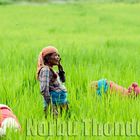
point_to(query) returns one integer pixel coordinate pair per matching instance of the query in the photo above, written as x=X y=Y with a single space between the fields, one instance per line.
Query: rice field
x=95 y=41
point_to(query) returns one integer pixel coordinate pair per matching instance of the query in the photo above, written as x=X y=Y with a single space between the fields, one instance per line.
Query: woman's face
x=54 y=59
x=94 y=86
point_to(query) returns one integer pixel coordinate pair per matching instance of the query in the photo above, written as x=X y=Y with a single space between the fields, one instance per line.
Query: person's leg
x=54 y=97
x=64 y=104
x=47 y=105
x=55 y=111
x=61 y=110
x=64 y=108
x=45 y=109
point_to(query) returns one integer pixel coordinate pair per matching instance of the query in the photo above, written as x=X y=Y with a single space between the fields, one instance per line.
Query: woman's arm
x=44 y=83
x=61 y=73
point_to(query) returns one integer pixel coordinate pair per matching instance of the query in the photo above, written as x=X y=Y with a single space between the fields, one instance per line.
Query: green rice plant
x=95 y=41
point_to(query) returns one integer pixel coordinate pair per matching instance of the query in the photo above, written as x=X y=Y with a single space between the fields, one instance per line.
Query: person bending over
x=7 y=120
x=103 y=86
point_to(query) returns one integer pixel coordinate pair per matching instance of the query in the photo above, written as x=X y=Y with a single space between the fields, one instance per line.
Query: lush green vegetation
x=95 y=41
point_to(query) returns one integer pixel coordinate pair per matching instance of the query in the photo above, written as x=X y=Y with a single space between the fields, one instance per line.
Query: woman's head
x=94 y=85
x=48 y=50
x=48 y=56
x=52 y=59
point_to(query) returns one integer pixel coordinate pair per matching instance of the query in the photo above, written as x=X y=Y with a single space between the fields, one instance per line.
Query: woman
x=7 y=120
x=51 y=87
x=103 y=85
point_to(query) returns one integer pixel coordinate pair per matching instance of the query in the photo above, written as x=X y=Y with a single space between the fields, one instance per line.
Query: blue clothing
x=58 y=98
x=52 y=87
x=102 y=86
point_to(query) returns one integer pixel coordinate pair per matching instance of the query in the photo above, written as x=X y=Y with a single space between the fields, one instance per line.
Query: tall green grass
x=95 y=41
